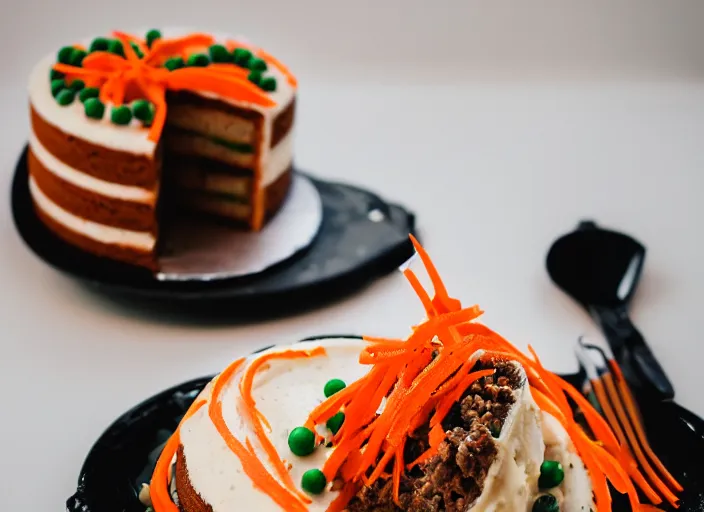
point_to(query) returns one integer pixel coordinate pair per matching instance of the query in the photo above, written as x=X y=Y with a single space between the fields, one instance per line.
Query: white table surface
x=498 y=149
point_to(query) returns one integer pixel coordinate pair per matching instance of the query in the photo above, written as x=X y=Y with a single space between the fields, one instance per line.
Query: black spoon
x=600 y=269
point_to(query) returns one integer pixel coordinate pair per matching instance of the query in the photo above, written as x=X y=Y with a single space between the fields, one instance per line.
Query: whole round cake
x=453 y=418
x=129 y=131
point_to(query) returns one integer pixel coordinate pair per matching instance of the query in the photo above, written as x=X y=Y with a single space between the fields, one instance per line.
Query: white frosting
x=72 y=119
x=139 y=240
x=86 y=181
x=278 y=160
x=287 y=391
x=285 y=394
x=528 y=437
x=512 y=481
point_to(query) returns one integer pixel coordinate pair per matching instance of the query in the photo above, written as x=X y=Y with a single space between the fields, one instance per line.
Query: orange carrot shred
x=105 y=61
x=631 y=407
x=251 y=464
x=441 y=296
x=235 y=87
x=339 y=504
x=424 y=298
x=130 y=54
x=159 y=485
x=254 y=417
x=163 y=48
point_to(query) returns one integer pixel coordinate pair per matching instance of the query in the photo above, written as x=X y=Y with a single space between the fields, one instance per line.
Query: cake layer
x=87 y=204
x=104 y=163
x=225 y=120
x=132 y=247
x=203 y=180
x=86 y=181
x=276 y=192
x=211 y=103
x=213 y=122
x=277 y=161
x=283 y=123
x=181 y=142
x=75 y=124
x=214 y=205
x=232 y=208
x=189 y=499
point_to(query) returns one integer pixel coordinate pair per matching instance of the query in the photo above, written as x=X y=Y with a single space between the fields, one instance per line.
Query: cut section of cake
x=452 y=418
x=129 y=131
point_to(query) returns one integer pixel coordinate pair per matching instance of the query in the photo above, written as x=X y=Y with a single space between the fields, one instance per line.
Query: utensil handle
x=633 y=354
x=649 y=369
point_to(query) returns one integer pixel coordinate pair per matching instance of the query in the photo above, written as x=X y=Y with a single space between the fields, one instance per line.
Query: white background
x=501 y=124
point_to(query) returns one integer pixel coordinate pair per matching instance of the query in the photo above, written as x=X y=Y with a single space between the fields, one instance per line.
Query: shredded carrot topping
x=117 y=76
x=416 y=381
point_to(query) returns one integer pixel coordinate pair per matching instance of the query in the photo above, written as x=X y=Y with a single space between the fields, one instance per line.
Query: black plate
x=333 y=265
x=125 y=455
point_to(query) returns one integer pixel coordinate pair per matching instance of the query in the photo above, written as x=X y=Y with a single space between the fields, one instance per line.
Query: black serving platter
x=125 y=455
x=361 y=238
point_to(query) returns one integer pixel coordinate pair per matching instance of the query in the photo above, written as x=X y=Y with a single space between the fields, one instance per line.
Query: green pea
x=335 y=423
x=136 y=49
x=65 y=54
x=99 y=44
x=218 y=53
x=314 y=481
x=77 y=85
x=546 y=503
x=257 y=64
x=268 y=83
x=77 y=57
x=241 y=56
x=115 y=46
x=57 y=86
x=87 y=93
x=143 y=110
x=333 y=386
x=174 y=63
x=65 y=97
x=55 y=75
x=121 y=115
x=94 y=108
x=301 y=441
x=200 y=60
x=551 y=474
x=152 y=36
x=255 y=77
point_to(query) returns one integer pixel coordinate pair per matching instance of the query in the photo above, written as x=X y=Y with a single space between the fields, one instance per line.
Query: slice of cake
x=129 y=131
x=453 y=418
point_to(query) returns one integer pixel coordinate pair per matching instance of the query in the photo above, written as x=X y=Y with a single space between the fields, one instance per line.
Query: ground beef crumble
x=454 y=478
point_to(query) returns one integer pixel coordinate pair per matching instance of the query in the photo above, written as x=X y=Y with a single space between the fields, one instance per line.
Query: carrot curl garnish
x=416 y=381
x=257 y=421
x=139 y=70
